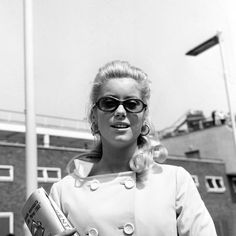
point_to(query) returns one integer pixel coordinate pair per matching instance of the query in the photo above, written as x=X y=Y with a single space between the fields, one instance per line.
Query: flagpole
x=225 y=75
x=30 y=127
x=31 y=146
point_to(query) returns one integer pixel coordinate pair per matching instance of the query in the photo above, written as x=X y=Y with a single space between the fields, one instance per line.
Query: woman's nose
x=120 y=111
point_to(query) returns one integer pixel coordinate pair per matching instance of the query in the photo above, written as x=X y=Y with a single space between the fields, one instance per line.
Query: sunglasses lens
x=134 y=105
x=107 y=104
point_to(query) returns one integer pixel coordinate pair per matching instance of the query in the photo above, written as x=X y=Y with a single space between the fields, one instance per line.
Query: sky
x=73 y=38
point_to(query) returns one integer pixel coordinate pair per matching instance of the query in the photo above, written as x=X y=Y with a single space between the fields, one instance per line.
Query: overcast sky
x=73 y=38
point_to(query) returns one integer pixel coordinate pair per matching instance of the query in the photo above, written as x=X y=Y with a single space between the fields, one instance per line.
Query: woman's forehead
x=121 y=87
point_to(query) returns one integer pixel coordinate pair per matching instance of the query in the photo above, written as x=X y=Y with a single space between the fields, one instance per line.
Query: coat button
x=92 y=232
x=94 y=185
x=129 y=183
x=128 y=228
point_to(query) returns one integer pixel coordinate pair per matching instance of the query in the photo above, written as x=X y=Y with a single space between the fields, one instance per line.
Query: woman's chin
x=122 y=141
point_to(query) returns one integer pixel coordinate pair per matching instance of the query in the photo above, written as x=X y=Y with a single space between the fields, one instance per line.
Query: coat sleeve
x=55 y=195
x=193 y=218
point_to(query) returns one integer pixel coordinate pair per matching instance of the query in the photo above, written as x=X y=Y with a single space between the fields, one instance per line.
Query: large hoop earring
x=94 y=128
x=145 y=130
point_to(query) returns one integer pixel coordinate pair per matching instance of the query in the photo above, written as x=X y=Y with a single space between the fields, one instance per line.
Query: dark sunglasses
x=110 y=104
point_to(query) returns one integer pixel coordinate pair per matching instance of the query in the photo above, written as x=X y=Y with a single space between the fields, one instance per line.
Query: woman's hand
x=68 y=232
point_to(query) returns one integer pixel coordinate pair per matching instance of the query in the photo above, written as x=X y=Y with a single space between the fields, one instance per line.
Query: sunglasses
x=110 y=104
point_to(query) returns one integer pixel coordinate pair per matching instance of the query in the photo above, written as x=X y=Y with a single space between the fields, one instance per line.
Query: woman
x=119 y=188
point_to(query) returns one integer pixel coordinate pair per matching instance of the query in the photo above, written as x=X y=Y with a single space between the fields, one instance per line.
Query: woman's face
x=120 y=128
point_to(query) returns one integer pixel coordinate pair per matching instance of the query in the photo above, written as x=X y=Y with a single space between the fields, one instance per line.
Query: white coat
x=161 y=202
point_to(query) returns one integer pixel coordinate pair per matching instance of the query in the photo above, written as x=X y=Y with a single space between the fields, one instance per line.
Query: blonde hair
x=143 y=158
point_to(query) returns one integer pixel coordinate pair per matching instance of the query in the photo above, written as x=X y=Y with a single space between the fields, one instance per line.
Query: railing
x=44 y=120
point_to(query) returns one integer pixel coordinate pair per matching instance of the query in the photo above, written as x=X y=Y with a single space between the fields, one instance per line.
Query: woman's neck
x=114 y=160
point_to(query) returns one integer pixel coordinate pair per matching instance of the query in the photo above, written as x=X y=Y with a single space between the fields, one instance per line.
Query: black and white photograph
x=117 y=118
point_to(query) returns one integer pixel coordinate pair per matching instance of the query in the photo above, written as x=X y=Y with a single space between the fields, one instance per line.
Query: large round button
x=129 y=183
x=92 y=232
x=94 y=185
x=128 y=228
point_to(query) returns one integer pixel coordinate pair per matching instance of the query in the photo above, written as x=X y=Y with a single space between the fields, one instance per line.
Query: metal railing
x=18 y=117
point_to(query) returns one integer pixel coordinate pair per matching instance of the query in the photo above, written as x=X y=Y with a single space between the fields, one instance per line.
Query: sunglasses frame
x=120 y=102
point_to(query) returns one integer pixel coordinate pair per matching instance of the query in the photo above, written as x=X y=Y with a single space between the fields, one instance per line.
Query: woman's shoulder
x=82 y=167
x=168 y=170
x=166 y=167
x=176 y=177
x=67 y=180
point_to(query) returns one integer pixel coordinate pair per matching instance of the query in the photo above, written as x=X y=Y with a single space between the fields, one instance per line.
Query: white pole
x=227 y=87
x=31 y=140
x=30 y=131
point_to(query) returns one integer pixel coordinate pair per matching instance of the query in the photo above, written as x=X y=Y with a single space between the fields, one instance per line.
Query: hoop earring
x=94 y=128
x=145 y=130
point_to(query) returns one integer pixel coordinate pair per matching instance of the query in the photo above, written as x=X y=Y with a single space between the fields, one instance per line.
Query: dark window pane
x=40 y=173
x=4 y=225
x=52 y=174
x=234 y=184
x=4 y=172
x=218 y=183
x=209 y=181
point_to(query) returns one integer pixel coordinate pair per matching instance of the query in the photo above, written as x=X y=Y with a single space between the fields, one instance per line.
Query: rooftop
x=61 y=131
x=195 y=120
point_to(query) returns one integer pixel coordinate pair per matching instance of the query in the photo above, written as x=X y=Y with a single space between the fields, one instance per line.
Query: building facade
x=58 y=144
x=207 y=139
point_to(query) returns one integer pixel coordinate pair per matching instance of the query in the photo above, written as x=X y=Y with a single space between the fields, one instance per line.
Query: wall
x=219 y=204
x=12 y=194
x=213 y=143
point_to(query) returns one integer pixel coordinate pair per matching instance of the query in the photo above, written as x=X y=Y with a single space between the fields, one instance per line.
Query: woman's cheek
x=137 y=128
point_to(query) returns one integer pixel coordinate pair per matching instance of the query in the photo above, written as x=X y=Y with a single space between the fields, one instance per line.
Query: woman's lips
x=120 y=126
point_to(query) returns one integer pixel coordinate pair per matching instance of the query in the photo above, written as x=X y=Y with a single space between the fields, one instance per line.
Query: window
x=215 y=184
x=6 y=223
x=193 y=154
x=6 y=173
x=195 y=179
x=49 y=174
x=234 y=184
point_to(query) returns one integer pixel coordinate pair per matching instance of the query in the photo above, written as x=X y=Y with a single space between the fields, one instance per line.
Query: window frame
x=9 y=178
x=215 y=188
x=46 y=178
x=10 y=215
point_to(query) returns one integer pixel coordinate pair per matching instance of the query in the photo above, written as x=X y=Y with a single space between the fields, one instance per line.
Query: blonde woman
x=119 y=188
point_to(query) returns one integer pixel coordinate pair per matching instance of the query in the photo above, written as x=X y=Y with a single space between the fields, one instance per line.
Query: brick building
x=211 y=180
x=57 y=144
x=58 y=141
x=196 y=137
x=51 y=167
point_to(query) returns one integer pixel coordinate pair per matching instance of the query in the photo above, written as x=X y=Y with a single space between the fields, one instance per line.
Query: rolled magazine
x=42 y=215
